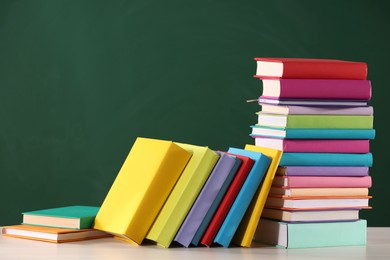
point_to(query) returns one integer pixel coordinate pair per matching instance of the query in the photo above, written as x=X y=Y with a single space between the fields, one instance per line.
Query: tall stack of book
x=316 y=111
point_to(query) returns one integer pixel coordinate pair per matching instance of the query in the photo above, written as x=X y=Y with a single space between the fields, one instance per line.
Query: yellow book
x=248 y=225
x=183 y=195
x=141 y=187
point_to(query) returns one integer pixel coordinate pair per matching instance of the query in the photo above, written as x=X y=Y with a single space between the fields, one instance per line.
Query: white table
x=378 y=247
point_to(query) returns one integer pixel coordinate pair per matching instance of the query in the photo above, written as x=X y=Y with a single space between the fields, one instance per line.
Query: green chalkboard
x=80 y=80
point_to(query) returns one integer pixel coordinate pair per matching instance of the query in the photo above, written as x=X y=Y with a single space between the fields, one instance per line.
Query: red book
x=301 y=68
x=227 y=201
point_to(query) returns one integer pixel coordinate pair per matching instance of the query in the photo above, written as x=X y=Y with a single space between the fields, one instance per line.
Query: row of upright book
x=317 y=113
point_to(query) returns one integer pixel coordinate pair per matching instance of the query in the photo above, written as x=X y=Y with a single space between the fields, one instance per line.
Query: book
x=184 y=194
x=304 y=68
x=311 y=202
x=51 y=234
x=315 y=145
x=311 y=102
x=71 y=217
x=141 y=187
x=323 y=170
x=246 y=230
x=244 y=197
x=326 y=159
x=317 y=110
x=291 y=133
x=221 y=172
x=227 y=201
x=338 y=89
x=311 y=215
x=305 y=192
x=322 y=181
x=306 y=235
x=315 y=121
x=217 y=201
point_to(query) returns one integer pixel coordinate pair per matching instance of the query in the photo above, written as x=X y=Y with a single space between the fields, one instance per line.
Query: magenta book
x=322 y=182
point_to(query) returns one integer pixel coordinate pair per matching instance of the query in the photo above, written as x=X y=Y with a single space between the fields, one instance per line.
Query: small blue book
x=326 y=159
x=244 y=197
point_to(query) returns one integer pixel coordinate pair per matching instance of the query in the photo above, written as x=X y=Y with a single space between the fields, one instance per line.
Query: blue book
x=313 y=133
x=326 y=159
x=244 y=197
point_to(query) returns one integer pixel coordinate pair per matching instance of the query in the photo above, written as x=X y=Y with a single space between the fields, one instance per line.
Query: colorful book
x=315 y=145
x=326 y=159
x=71 y=217
x=228 y=200
x=311 y=102
x=317 y=110
x=183 y=195
x=340 y=89
x=248 y=225
x=306 y=235
x=311 y=215
x=303 y=68
x=322 y=181
x=305 y=192
x=315 y=121
x=141 y=187
x=323 y=170
x=291 y=133
x=51 y=234
x=244 y=197
x=221 y=172
x=313 y=203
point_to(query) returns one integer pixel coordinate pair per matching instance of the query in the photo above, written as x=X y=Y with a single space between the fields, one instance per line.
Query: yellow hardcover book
x=141 y=187
x=183 y=195
x=248 y=225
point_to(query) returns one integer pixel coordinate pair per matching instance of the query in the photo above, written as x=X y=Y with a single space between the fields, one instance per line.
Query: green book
x=315 y=121
x=305 y=235
x=73 y=217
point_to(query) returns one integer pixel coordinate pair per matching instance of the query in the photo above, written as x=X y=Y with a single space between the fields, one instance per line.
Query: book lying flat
x=306 y=235
x=307 y=133
x=326 y=159
x=305 y=68
x=72 y=217
x=323 y=170
x=311 y=215
x=317 y=110
x=322 y=181
x=315 y=145
x=50 y=234
x=311 y=102
x=304 y=192
x=317 y=89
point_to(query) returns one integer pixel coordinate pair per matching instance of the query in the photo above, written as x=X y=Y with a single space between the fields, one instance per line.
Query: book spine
x=325 y=121
x=324 y=171
x=328 y=182
x=330 y=133
x=326 y=159
x=326 y=146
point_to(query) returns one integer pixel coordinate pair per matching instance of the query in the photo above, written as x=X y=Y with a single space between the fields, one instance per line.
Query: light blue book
x=326 y=159
x=244 y=197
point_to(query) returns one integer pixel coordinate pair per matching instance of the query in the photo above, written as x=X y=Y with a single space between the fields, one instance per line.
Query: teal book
x=326 y=159
x=306 y=235
x=244 y=197
x=72 y=217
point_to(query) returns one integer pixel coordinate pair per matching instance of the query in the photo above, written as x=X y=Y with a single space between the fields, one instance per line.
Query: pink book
x=315 y=145
x=322 y=182
x=341 y=89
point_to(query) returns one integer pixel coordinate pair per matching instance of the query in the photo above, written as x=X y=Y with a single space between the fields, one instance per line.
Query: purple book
x=317 y=110
x=323 y=171
x=205 y=199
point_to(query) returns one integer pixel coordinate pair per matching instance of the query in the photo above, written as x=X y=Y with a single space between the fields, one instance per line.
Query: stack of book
x=316 y=111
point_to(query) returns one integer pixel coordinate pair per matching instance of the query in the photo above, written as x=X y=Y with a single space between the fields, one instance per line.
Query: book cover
x=72 y=217
x=227 y=201
x=304 y=68
x=53 y=235
x=326 y=159
x=248 y=225
x=317 y=110
x=322 y=181
x=315 y=121
x=244 y=197
x=182 y=197
x=311 y=102
x=305 y=192
x=221 y=172
x=292 y=133
x=141 y=187
x=315 y=145
x=306 y=235
x=323 y=170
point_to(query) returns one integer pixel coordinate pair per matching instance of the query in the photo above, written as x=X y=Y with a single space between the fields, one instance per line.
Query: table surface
x=378 y=247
